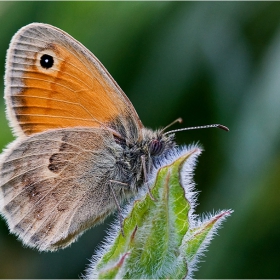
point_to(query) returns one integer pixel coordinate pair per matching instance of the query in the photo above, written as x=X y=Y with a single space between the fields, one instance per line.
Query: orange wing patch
x=73 y=90
x=70 y=93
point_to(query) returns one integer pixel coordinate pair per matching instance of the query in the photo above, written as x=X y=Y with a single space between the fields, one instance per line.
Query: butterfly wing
x=54 y=184
x=65 y=109
x=52 y=81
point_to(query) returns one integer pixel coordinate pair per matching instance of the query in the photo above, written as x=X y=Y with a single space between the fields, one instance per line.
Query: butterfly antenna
x=179 y=120
x=197 y=127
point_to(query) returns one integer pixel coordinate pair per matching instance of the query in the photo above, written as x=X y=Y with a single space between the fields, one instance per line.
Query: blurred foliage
x=207 y=62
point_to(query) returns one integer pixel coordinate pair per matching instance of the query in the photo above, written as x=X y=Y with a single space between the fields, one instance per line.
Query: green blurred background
x=207 y=62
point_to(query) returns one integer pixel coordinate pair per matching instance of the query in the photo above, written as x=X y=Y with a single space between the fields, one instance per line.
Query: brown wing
x=54 y=185
x=52 y=81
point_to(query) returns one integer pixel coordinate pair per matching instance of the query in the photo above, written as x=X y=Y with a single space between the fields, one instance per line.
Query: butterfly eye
x=156 y=147
x=46 y=61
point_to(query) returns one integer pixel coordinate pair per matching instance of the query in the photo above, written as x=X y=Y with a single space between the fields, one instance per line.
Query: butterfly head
x=156 y=143
x=160 y=141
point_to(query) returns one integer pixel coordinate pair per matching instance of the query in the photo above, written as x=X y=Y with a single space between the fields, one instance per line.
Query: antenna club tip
x=223 y=127
x=180 y=120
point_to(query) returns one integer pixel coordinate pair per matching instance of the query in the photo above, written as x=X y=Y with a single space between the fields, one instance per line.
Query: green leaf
x=159 y=239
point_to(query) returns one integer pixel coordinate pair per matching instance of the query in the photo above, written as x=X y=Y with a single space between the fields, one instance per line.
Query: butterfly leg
x=117 y=203
x=146 y=177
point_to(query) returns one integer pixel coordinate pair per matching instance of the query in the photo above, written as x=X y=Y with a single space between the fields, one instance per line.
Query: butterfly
x=80 y=147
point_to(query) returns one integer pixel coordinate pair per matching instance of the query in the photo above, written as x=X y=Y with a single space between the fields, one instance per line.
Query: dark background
x=207 y=62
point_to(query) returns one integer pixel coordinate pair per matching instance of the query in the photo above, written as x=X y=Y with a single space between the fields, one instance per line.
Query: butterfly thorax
x=148 y=150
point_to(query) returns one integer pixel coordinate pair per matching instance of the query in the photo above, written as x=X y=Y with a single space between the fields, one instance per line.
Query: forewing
x=75 y=91
x=54 y=185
